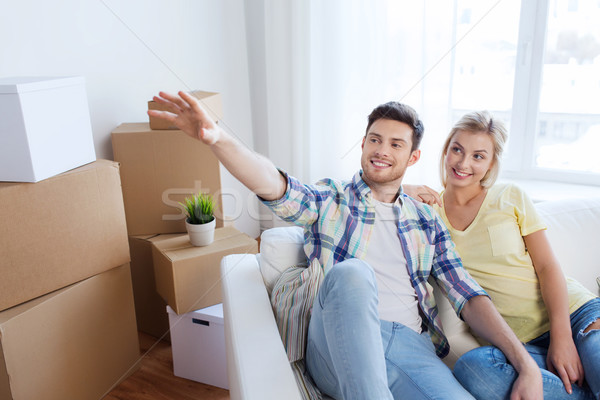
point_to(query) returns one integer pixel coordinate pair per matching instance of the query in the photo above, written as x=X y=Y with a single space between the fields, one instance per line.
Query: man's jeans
x=351 y=354
x=486 y=373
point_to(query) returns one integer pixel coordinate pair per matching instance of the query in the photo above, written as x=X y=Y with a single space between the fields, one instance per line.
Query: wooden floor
x=154 y=379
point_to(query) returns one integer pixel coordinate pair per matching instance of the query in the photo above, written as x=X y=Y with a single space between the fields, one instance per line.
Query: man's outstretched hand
x=186 y=113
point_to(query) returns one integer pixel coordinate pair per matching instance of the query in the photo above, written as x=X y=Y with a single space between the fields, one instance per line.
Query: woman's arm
x=563 y=359
x=481 y=315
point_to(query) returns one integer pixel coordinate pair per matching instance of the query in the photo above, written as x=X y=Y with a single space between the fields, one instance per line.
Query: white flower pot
x=201 y=234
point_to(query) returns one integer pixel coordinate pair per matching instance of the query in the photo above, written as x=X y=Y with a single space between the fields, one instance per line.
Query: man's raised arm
x=255 y=171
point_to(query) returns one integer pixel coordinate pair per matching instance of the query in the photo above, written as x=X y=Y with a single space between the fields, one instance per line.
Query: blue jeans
x=486 y=373
x=351 y=354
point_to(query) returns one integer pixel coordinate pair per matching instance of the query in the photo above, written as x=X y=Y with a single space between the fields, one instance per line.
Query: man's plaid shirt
x=338 y=218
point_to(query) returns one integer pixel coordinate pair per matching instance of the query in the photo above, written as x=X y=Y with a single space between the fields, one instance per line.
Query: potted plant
x=200 y=221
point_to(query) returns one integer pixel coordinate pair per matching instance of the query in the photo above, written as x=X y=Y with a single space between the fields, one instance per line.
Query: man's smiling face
x=386 y=152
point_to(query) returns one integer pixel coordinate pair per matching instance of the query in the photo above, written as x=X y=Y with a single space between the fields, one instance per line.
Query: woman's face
x=469 y=157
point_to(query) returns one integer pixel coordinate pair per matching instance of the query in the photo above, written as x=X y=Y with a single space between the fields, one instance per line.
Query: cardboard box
x=45 y=127
x=74 y=343
x=210 y=101
x=60 y=231
x=189 y=277
x=198 y=345
x=158 y=170
x=149 y=306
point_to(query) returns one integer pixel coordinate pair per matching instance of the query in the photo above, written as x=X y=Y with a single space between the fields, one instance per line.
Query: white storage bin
x=198 y=345
x=45 y=127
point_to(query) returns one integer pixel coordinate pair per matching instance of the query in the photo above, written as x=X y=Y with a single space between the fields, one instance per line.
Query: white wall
x=128 y=51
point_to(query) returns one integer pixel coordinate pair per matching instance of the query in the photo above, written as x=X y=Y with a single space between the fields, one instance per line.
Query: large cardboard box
x=158 y=170
x=198 y=345
x=210 y=101
x=60 y=231
x=149 y=305
x=74 y=343
x=45 y=127
x=189 y=277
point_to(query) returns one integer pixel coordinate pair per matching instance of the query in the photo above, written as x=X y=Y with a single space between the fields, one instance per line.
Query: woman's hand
x=563 y=361
x=423 y=193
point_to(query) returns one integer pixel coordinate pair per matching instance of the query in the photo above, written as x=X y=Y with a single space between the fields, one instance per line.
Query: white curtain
x=365 y=53
x=319 y=67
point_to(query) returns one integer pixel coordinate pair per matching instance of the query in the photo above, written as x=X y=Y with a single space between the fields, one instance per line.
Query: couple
x=374 y=332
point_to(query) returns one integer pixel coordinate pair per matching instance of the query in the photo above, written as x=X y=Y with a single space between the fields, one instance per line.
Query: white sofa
x=257 y=364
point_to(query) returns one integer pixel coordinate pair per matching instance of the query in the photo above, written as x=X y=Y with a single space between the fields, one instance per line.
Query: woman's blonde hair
x=479 y=121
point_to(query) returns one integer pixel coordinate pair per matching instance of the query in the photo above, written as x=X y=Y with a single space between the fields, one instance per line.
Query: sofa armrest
x=257 y=364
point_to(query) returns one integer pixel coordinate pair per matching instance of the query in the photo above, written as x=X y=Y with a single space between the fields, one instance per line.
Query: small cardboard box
x=149 y=306
x=45 y=127
x=198 y=345
x=158 y=170
x=189 y=277
x=60 y=231
x=210 y=101
x=74 y=343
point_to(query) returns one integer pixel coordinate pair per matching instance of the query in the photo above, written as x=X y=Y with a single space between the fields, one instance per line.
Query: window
x=484 y=57
x=533 y=63
x=555 y=116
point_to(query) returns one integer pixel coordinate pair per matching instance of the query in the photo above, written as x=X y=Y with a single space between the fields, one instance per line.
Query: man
x=374 y=331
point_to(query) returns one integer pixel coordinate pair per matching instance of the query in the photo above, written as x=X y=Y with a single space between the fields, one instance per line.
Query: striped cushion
x=292 y=299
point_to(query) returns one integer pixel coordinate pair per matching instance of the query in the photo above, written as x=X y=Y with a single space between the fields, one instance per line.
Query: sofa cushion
x=280 y=248
x=573 y=234
x=292 y=300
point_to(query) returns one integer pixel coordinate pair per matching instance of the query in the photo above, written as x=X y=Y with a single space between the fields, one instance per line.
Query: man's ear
x=363 y=142
x=414 y=157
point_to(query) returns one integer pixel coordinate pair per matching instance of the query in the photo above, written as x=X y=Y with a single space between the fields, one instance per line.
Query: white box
x=45 y=127
x=198 y=345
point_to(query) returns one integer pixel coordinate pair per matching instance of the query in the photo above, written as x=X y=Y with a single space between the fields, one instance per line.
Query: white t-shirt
x=397 y=297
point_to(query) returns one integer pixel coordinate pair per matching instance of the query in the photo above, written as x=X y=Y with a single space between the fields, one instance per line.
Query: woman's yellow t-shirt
x=493 y=251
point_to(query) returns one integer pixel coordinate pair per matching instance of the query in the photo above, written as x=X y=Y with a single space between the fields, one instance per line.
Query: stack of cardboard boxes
x=160 y=166
x=67 y=318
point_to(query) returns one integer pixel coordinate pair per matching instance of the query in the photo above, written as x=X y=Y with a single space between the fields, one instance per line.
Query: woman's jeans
x=487 y=375
x=351 y=354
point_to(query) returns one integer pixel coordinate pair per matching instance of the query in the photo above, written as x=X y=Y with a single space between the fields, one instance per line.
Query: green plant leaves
x=199 y=208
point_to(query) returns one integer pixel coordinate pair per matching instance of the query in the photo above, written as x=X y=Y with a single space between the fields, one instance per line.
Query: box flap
x=23 y=84
x=178 y=247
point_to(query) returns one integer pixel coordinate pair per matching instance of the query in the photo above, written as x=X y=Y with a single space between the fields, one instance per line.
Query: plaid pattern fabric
x=292 y=299
x=338 y=218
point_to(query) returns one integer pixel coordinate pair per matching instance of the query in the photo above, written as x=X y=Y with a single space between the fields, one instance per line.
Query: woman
x=502 y=242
